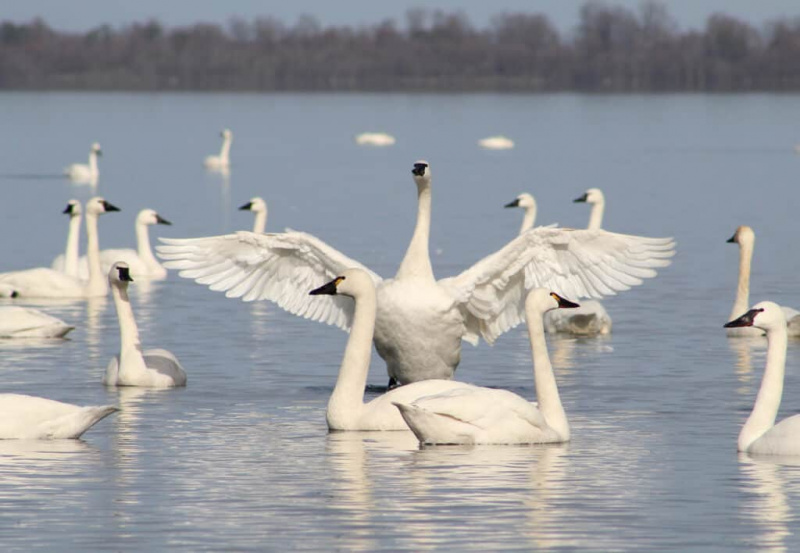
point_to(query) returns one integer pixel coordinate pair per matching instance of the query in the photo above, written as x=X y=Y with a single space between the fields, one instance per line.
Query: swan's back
x=781 y=439
x=166 y=365
x=35 y=418
x=43 y=282
x=23 y=322
x=589 y=319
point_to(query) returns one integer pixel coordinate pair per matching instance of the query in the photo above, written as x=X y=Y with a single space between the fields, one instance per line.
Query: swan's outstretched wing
x=280 y=267
x=573 y=263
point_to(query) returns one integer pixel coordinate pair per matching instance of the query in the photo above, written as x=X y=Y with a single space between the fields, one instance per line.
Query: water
x=241 y=459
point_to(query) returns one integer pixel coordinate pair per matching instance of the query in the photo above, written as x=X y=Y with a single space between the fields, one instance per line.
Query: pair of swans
x=82 y=173
x=746 y=238
x=258 y=206
x=442 y=411
x=223 y=160
x=421 y=321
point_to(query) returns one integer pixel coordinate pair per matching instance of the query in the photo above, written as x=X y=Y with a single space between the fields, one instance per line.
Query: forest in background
x=611 y=49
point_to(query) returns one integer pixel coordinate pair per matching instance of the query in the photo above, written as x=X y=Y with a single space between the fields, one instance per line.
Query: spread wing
x=572 y=263
x=280 y=267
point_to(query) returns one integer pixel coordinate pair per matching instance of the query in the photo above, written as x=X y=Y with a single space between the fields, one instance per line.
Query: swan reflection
x=748 y=351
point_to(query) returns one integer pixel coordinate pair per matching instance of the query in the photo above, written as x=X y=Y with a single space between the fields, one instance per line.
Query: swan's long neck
x=596 y=216
x=260 y=223
x=417 y=261
x=143 y=246
x=73 y=246
x=93 y=162
x=347 y=399
x=224 y=153
x=98 y=284
x=742 y=302
x=769 y=395
x=529 y=219
x=130 y=348
x=546 y=388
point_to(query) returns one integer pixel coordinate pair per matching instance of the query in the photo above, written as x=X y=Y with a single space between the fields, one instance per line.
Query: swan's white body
x=374 y=139
x=760 y=434
x=528 y=203
x=746 y=238
x=478 y=415
x=35 y=418
x=24 y=322
x=259 y=207
x=421 y=321
x=223 y=160
x=81 y=173
x=68 y=261
x=49 y=283
x=496 y=143
x=155 y=368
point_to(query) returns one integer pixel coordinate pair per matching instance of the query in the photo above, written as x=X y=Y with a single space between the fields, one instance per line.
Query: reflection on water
x=750 y=355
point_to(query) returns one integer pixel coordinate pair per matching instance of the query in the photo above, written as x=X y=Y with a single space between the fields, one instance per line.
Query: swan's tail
x=432 y=428
x=86 y=418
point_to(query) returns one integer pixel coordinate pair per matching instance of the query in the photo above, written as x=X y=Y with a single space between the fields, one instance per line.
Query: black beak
x=99 y=152
x=246 y=207
x=67 y=209
x=564 y=303
x=731 y=240
x=745 y=320
x=515 y=203
x=161 y=221
x=419 y=169
x=124 y=274
x=326 y=289
x=581 y=199
x=109 y=207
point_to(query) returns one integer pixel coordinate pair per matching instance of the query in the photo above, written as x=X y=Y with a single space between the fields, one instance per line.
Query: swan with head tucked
x=24 y=322
x=421 y=321
x=222 y=161
x=34 y=418
x=45 y=282
x=81 y=173
x=68 y=261
x=528 y=203
x=479 y=415
x=760 y=434
x=259 y=207
x=154 y=368
x=746 y=238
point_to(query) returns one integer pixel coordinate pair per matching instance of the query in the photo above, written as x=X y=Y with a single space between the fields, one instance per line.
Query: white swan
x=421 y=321
x=48 y=283
x=81 y=173
x=760 y=434
x=746 y=238
x=375 y=139
x=154 y=368
x=68 y=261
x=35 y=418
x=498 y=142
x=259 y=207
x=595 y=197
x=222 y=161
x=24 y=322
x=478 y=415
x=527 y=202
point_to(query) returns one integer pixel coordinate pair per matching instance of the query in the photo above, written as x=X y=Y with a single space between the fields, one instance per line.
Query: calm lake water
x=241 y=459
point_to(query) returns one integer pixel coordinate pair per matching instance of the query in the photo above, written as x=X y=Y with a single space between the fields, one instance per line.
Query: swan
x=24 y=322
x=374 y=139
x=746 y=238
x=527 y=202
x=154 y=368
x=478 y=415
x=259 y=207
x=222 y=161
x=421 y=321
x=595 y=197
x=760 y=434
x=34 y=418
x=68 y=261
x=85 y=173
x=49 y=283
x=496 y=143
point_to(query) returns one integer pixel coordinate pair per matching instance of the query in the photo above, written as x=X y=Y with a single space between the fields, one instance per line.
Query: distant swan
x=421 y=321
x=48 y=283
x=375 y=139
x=24 y=322
x=746 y=238
x=222 y=161
x=479 y=415
x=528 y=203
x=80 y=173
x=496 y=143
x=68 y=261
x=760 y=434
x=154 y=368
x=35 y=418
x=259 y=207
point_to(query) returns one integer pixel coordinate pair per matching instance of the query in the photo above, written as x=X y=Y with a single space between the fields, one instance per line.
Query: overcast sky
x=79 y=15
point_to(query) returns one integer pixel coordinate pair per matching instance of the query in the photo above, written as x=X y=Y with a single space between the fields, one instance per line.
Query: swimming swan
x=68 y=261
x=45 y=282
x=35 y=418
x=259 y=207
x=527 y=202
x=746 y=238
x=80 y=173
x=24 y=322
x=222 y=161
x=154 y=368
x=760 y=434
x=477 y=415
x=421 y=321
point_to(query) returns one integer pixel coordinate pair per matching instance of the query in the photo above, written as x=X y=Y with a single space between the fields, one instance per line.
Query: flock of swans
x=416 y=322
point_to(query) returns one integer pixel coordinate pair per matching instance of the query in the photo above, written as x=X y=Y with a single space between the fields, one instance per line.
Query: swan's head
x=743 y=235
x=119 y=274
x=523 y=200
x=542 y=300
x=226 y=134
x=98 y=205
x=96 y=149
x=422 y=173
x=591 y=196
x=73 y=208
x=150 y=217
x=765 y=315
x=256 y=204
x=352 y=283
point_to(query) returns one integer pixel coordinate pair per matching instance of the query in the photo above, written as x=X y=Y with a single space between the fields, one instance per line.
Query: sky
x=80 y=15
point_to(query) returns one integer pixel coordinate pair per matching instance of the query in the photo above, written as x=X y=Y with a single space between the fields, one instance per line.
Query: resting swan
x=222 y=161
x=35 y=418
x=527 y=202
x=48 y=283
x=80 y=173
x=68 y=261
x=760 y=434
x=746 y=238
x=478 y=415
x=154 y=368
x=24 y=322
x=421 y=321
x=259 y=207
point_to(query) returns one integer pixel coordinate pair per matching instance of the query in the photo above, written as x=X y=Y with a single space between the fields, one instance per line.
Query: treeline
x=611 y=49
